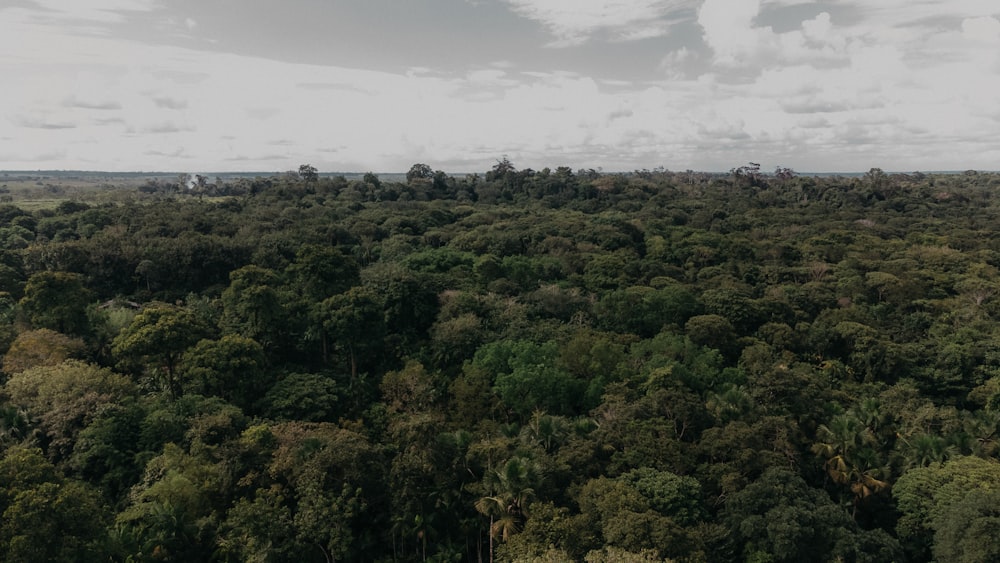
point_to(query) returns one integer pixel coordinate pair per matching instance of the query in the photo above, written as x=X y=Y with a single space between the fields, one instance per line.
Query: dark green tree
x=57 y=301
x=308 y=173
x=158 y=337
x=233 y=367
x=780 y=518
x=319 y=272
x=419 y=172
x=252 y=306
x=944 y=509
x=47 y=517
x=355 y=322
x=511 y=489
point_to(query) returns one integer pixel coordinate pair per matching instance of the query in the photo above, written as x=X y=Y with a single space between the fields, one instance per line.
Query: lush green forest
x=517 y=365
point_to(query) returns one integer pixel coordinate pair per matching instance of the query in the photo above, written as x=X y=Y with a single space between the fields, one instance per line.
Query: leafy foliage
x=516 y=365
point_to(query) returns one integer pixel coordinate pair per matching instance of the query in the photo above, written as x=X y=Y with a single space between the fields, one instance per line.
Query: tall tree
x=512 y=489
x=419 y=171
x=57 y=301
x=851 y=458
x=319 y=272
x=355 y=323
x=41 y=347
x=65 y=398
x=158 y=336
x=308 y=173
x=232 y=367
x=47 y=517
x=780 y=518
x=938 y=500
x=252 y=306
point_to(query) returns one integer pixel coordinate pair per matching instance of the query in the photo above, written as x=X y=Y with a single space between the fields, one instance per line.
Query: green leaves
x=252 y=306
x=781 y=516
x=159 y=335
x=66 y=397
x=645 y=510
x=949 y=509
x=46 y=517
x=57 y=301
x=232 y=367
x=513 y=486
x=309 y=397
x=527 y=377
x=645 y=311
x=356 y=323
x=319 y=272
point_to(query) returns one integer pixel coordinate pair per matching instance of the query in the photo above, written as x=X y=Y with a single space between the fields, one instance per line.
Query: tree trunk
x=171 y=378
x=326 y=353
x=326 y=554
x=489 y=532
x=354 y=363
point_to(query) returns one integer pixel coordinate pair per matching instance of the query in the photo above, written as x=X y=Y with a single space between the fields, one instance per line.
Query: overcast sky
x=358 y=85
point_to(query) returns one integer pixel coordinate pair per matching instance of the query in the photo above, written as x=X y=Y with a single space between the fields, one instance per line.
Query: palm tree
x=842 y=436
x=846 y=443
x=924 y=449
x=867 y=474
x=732 y=402
x=14 y=426
x=869 y=412
x=983 y=427
x=546 y=430
x=513 y=488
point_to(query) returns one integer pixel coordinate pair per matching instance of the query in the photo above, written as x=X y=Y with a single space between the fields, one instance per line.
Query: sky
x=617 y=85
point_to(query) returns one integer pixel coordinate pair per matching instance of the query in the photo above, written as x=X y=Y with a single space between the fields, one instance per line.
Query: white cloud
x=985 y=29
x=827 y=94
x=820 y=31
x=890 y=13
x=76 y=101
x=574 y=21
x=167 y=102
x=41 y=122
x=100 y=11
x=730 y=32
x=680 y=64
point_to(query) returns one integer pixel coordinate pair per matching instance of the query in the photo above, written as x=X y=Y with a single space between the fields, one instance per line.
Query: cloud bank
x=810 y=85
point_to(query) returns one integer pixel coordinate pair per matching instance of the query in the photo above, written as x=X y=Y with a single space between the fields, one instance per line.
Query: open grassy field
x=45 y=190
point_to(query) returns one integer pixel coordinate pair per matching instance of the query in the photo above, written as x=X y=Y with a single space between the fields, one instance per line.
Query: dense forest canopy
x=519 y=365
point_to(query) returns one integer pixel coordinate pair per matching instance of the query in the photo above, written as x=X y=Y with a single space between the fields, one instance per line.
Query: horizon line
x=159 y=173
